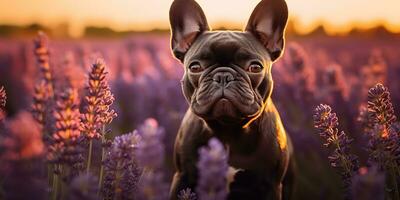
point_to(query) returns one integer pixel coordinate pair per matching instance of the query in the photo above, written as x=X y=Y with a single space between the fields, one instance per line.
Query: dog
x=228 y=84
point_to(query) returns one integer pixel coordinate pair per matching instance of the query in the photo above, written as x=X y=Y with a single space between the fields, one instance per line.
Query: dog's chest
x=265 y=157
x=266 y=163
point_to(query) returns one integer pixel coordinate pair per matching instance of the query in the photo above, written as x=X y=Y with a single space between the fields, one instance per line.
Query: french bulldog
x=228 y=83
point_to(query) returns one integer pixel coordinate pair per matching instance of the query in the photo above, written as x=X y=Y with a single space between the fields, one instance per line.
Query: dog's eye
x=195 y=67
x=255 y=68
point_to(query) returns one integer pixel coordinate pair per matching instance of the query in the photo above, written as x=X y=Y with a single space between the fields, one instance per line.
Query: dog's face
x=227 y=74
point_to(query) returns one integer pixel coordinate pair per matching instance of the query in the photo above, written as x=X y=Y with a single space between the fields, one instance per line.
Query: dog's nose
x=223 y=78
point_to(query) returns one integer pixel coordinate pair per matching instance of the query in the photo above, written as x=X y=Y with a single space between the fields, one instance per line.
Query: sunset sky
x=337 y=15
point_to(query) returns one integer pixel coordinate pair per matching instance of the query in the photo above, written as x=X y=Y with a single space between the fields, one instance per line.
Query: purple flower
x=327 y=122
x=65 y=146
x=151 y=149
x=3 y=98
x=384 y=152
x=384 y=137
x=212 y=169
x=99 y=98
x=42 y=57
x=150 y=155
x=23 y=139
x=383 y=146
x=39 y=106
x=121 y=170
x=187 y=194
x=380 y=106
x=43 y=97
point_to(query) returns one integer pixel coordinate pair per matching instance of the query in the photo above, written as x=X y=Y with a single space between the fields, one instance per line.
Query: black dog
x=228 y=84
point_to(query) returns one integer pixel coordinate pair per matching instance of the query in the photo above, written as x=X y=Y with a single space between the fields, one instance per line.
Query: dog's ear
x=187 y=23
x=267 y=23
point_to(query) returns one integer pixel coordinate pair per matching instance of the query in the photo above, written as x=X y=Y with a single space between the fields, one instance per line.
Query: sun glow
x=281 y=136
x=336 y=16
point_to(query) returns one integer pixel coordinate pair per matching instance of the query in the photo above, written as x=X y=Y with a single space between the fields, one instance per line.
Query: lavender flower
x=97 y=110
x=384 y=137
x=187 y=194
x=65 y=147
x=121 y=170
x=39 y=105
x=380 y=106
x=212 y=169
x=23 y=140
x=327 y=122
x=3 y=98
x=383 y=146
x=42 y=56
x=384 y=140
x=150 y=155
x=394 y=138
x=151 y=150
x=43 y=98
x=83 y=187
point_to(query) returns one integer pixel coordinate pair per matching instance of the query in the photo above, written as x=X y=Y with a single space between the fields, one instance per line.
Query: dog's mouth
x=224 y=108
x=226 y=105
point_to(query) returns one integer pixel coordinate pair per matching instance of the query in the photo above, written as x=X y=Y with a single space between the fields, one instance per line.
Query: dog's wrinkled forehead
x=226 y=47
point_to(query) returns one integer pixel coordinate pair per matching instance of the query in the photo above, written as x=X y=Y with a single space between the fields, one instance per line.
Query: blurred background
x=336 y=51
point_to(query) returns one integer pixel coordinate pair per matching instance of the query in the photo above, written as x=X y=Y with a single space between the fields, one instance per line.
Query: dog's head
x=227 y=73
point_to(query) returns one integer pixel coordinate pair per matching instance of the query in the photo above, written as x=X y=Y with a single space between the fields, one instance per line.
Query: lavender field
x=97 y=118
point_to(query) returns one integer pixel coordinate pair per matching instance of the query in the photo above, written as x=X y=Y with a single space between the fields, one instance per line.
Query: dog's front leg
x=277 y=194
x=186 y=172
x=179 y=182
x=250 y=185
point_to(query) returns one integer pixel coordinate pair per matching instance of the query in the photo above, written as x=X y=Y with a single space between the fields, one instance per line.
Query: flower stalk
x=97 y=112
x=121 y=169
x=103 y=143
x=384 y=140
x=327 y=124
x=43 y=96
x=65 y=150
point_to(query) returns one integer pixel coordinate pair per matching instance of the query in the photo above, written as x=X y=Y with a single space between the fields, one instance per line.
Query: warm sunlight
x=337 y=16
x=141 y=100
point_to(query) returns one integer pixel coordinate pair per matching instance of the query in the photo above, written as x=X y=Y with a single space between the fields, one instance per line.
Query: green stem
x=55 y=185
x=89 y=156
x=60 y=183
x=343 y=160
x=103 y=139
x=49 y=174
